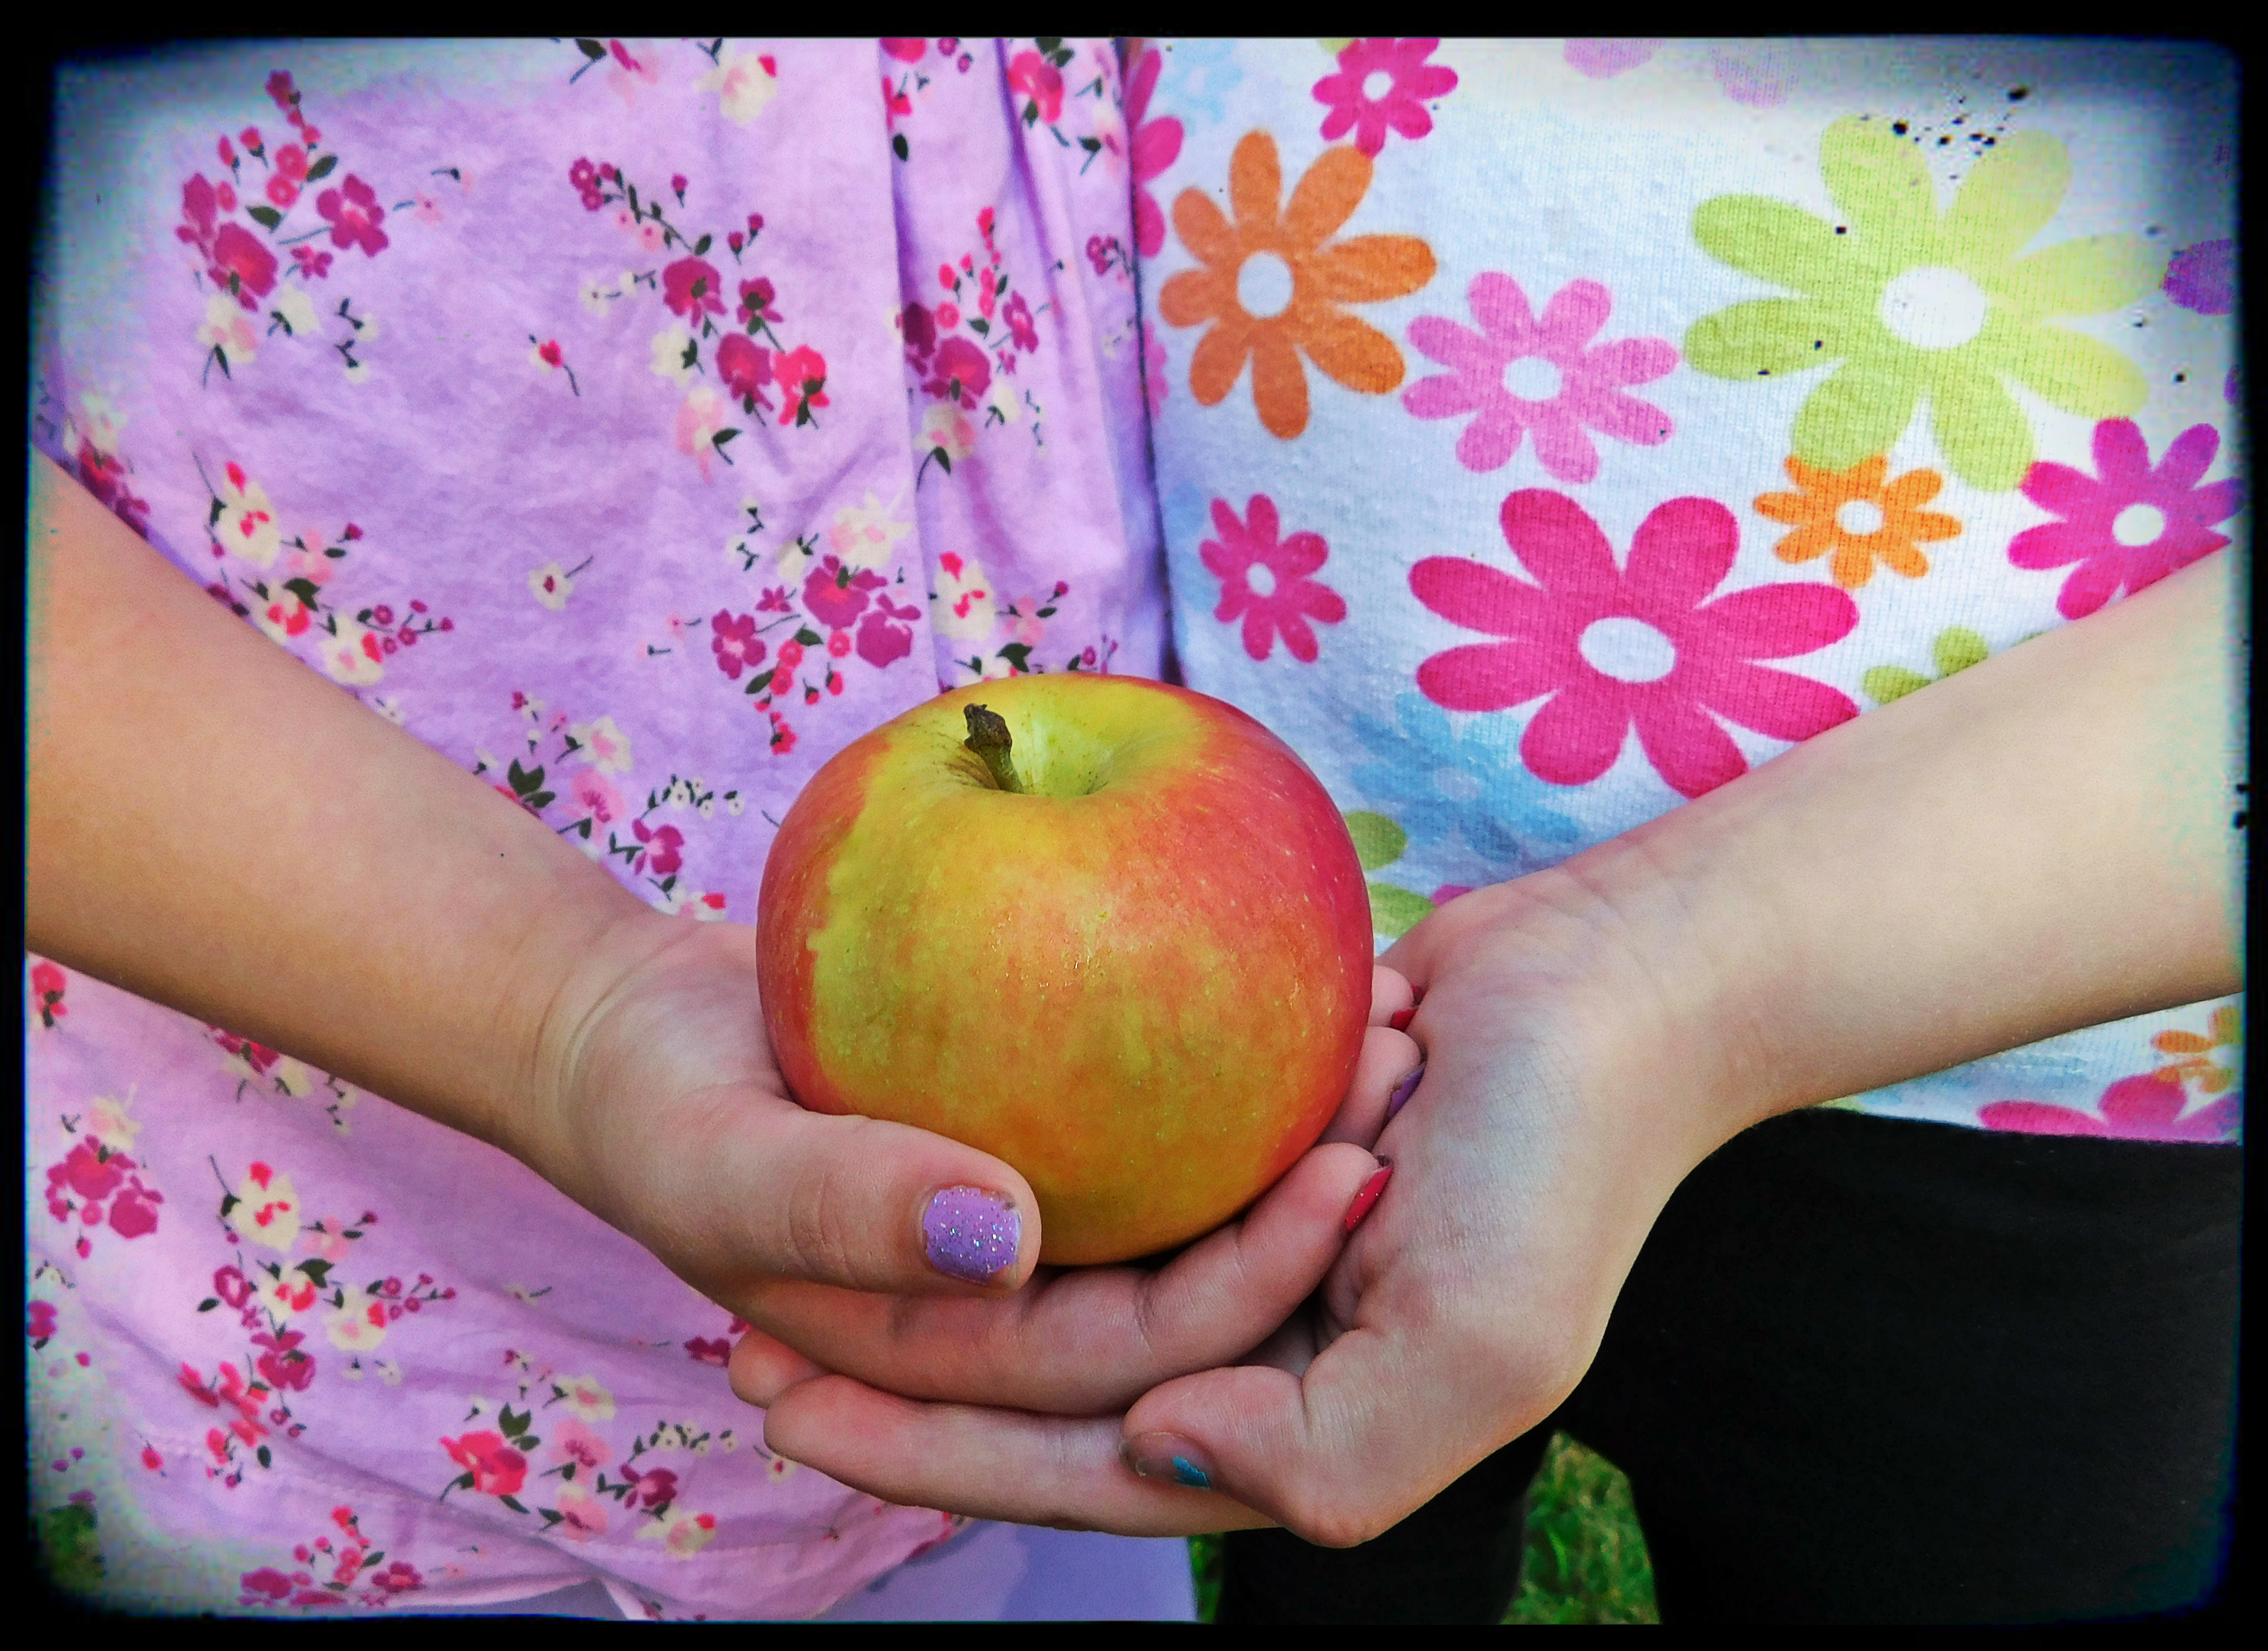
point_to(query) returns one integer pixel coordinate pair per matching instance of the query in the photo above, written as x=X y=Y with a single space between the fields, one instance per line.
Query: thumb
x=1336 y=1454
x=855 y=1202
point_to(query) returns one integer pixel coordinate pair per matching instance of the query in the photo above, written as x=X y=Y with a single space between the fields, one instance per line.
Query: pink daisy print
x=2148 y=1107
x=2128 y=525
x=1518 y=375
x=1152 y=147
x=1264 y=581
x=1382 y=83
x=1613 y=646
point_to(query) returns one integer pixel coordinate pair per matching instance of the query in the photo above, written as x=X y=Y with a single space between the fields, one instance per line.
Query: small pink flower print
x=2129 y=526
x=1154 y=146
x=718 y=1352
x=735 y=645
x=1019 y=317
x=266 y=1583
x=496 y=1468
x=886 y=634
x=961 y=372
x=1382 y=83
x=920 y=330
x=225 y=193
x=692 y=288
x=1578 y=385
x=354 y=215
x=756 y=296
x=134 y=1211
x=282 y=190
x=896 y=105
x=656 y=1488
x=906 y=51
x=1265 y=582
x=310 y=265
x=398 y=1577
x=596 y=795
x=574 y=1441
x=1604 y=59
x=40 y=1321
x=428 y=209
x=47 y=984
x=1613 y=646
x=2148 y=1107
x=801 y=374
x=1039 y=83
x=836 y=596
x=630 y=71
x=745 y=366
x=699 y=420
x=291 y=162
x=582 y=1515
x=242 y=264
x=662 y=847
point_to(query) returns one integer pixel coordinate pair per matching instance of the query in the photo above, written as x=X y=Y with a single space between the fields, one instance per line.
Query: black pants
x=1869 y=1370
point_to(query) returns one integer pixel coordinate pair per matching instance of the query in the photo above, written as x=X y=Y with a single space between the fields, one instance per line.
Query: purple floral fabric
x=636 y=423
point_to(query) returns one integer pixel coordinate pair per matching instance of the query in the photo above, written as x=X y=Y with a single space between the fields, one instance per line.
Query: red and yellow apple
x=1141 y=975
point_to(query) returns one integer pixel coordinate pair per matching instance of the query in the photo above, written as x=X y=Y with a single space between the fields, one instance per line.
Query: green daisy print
x=1915 y=304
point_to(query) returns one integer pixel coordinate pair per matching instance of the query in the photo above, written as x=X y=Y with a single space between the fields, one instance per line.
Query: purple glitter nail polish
x=971 y=1234
x=1402 y=1091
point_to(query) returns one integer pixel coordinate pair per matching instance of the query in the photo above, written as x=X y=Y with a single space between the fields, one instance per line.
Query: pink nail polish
x=1400 y=1019
x=1369 y=1196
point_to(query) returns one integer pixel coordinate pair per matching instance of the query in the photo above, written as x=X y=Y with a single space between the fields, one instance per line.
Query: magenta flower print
x=2148 y=1107
x=354 y=215
x=242 y=264
x=1520 y=376
x=736 y=644
x=959 y=374
x=1152 y=147
x=1263 y=581
x=1381 y=84
x=2129 y=525
x=745 y=366
x=835 y=595
x=692 y=289
x=1613 y=646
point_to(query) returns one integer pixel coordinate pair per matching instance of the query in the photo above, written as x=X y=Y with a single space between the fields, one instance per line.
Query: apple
x=1109 y=931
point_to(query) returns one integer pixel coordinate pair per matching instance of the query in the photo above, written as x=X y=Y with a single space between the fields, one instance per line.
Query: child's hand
x=668 y=1118
x=1529 y=1165
x=1089 y=1340
x=2040 y=844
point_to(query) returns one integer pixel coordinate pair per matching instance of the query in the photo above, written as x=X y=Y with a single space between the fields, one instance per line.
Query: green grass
x=1583 y=1557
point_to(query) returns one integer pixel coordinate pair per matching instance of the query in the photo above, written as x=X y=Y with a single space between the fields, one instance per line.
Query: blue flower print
x=1198 y=74
x=1449 y=787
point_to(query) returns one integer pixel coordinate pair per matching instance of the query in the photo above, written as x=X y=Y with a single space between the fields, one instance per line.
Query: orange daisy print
x=1273 y=282
x=1860 y=516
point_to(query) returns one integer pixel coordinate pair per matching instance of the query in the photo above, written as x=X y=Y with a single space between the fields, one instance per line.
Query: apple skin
x=1143 y=981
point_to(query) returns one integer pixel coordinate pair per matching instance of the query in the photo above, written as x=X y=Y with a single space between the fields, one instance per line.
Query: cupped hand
x=1553 y=1119
x=666 y=1117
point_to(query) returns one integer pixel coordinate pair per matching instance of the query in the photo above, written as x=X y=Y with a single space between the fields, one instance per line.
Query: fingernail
x=971 y=1234
x=1168 y=1457
x=1369 y=1195
x=1400 y=1019
x=1402 y=1091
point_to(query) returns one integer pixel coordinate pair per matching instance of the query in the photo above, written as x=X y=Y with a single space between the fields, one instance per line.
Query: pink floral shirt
x=635 y=423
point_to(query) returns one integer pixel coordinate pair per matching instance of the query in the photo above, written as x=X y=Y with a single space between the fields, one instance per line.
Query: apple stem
x=988 y=737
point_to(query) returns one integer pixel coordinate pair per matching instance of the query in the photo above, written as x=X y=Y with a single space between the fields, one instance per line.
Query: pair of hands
x=1276 y=1371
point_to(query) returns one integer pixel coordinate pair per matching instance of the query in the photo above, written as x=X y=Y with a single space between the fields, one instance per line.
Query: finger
x=1337 y=1453
x=986 y=1464
x=1389 y=994
x=1087 y=1340
x=761 y=1368
x=1388 y=1058
x=781 y=1193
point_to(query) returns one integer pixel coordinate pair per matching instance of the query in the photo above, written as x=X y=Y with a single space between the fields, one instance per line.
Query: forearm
x=216 y=828
x=2041 y=842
